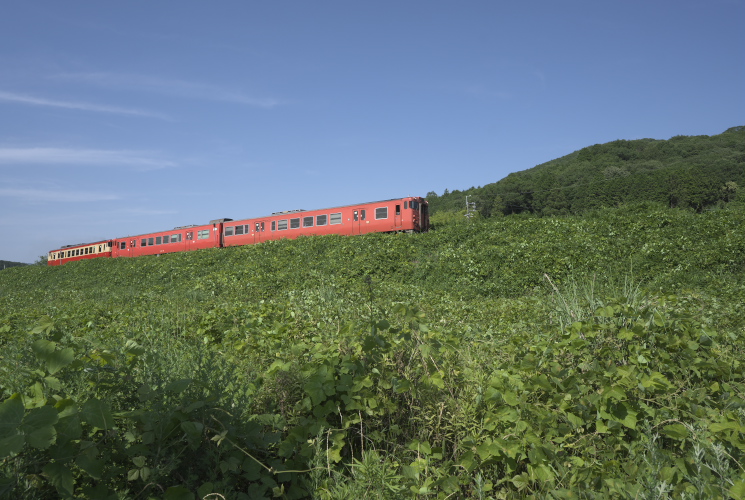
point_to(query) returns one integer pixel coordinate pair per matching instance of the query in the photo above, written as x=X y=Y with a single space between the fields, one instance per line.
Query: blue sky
x=128 y=117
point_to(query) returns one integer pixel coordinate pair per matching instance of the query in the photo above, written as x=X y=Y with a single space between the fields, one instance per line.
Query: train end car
x=81 y=251
x=409 y=214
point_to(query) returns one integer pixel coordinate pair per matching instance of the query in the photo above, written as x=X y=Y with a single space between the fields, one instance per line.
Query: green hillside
x=697 y=172
x=547 y=357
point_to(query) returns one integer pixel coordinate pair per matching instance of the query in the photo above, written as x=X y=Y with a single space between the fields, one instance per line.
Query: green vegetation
x=698 y=172
x=548 y=357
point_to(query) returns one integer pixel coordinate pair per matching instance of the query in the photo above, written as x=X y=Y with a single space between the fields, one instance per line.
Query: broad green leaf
x=11 y=445
x=436 y=380
x=574 y=419
x=11 y=415
x=724 y=426
x=61 y=478
x=676 y=431
x=45 y=325
x=738 y=490
x=38 y=426
x=53 y=359
x=178 y=386
x=510 y=398
x=521 y=481
x=93 y=466
x=37 y=418
x=97 y=414
x=42 y=438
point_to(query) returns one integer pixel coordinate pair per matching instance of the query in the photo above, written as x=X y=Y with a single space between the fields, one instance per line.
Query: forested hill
x=696 y=172
x=4 y=264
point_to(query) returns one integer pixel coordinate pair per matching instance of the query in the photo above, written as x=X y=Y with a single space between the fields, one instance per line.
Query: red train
x=409 y=214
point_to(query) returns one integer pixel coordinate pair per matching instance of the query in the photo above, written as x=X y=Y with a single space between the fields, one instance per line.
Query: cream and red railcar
x=80 y=251
x=398 y=215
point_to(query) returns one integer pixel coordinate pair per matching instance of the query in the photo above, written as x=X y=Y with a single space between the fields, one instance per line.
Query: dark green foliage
x=698 y=172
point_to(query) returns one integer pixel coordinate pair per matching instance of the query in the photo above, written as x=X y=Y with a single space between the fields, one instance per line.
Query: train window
x=381 y=213
x=123 y=245
x=203 y=234
x=336 y=218
x=415 y=205
x=281 y=225
x=356 y=216
x=363 y=214
x=238 y=230
x=143 y=243
x=158 y=240
x=308 y=221
x=398 y=209
x=295 y=223
x=406 y=205
x=274 y=225
x=176 y=238
x=262 y=226
x=229 y=230
x=150 y=242
x=321 y=220
x=166 y=238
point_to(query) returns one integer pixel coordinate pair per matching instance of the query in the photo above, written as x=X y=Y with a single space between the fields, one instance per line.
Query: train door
x=359 y=219
x=258 y=229
x=397 y=216
x=189 y=242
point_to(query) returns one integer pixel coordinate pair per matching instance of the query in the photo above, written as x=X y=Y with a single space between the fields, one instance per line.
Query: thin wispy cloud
x=82 y=106
x=145 y=211
x=171 y=87
x=82 y=157
x=55 y=196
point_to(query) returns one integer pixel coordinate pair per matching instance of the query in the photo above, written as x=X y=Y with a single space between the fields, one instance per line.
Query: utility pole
x=470 y=208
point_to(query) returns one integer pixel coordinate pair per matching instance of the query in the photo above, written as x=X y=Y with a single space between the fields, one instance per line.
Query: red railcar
x=180 y=239
x=80 y=251
x=409 y=214
x=401 y=214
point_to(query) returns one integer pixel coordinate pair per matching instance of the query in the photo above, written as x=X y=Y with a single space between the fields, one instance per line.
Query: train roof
x=299 y=211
